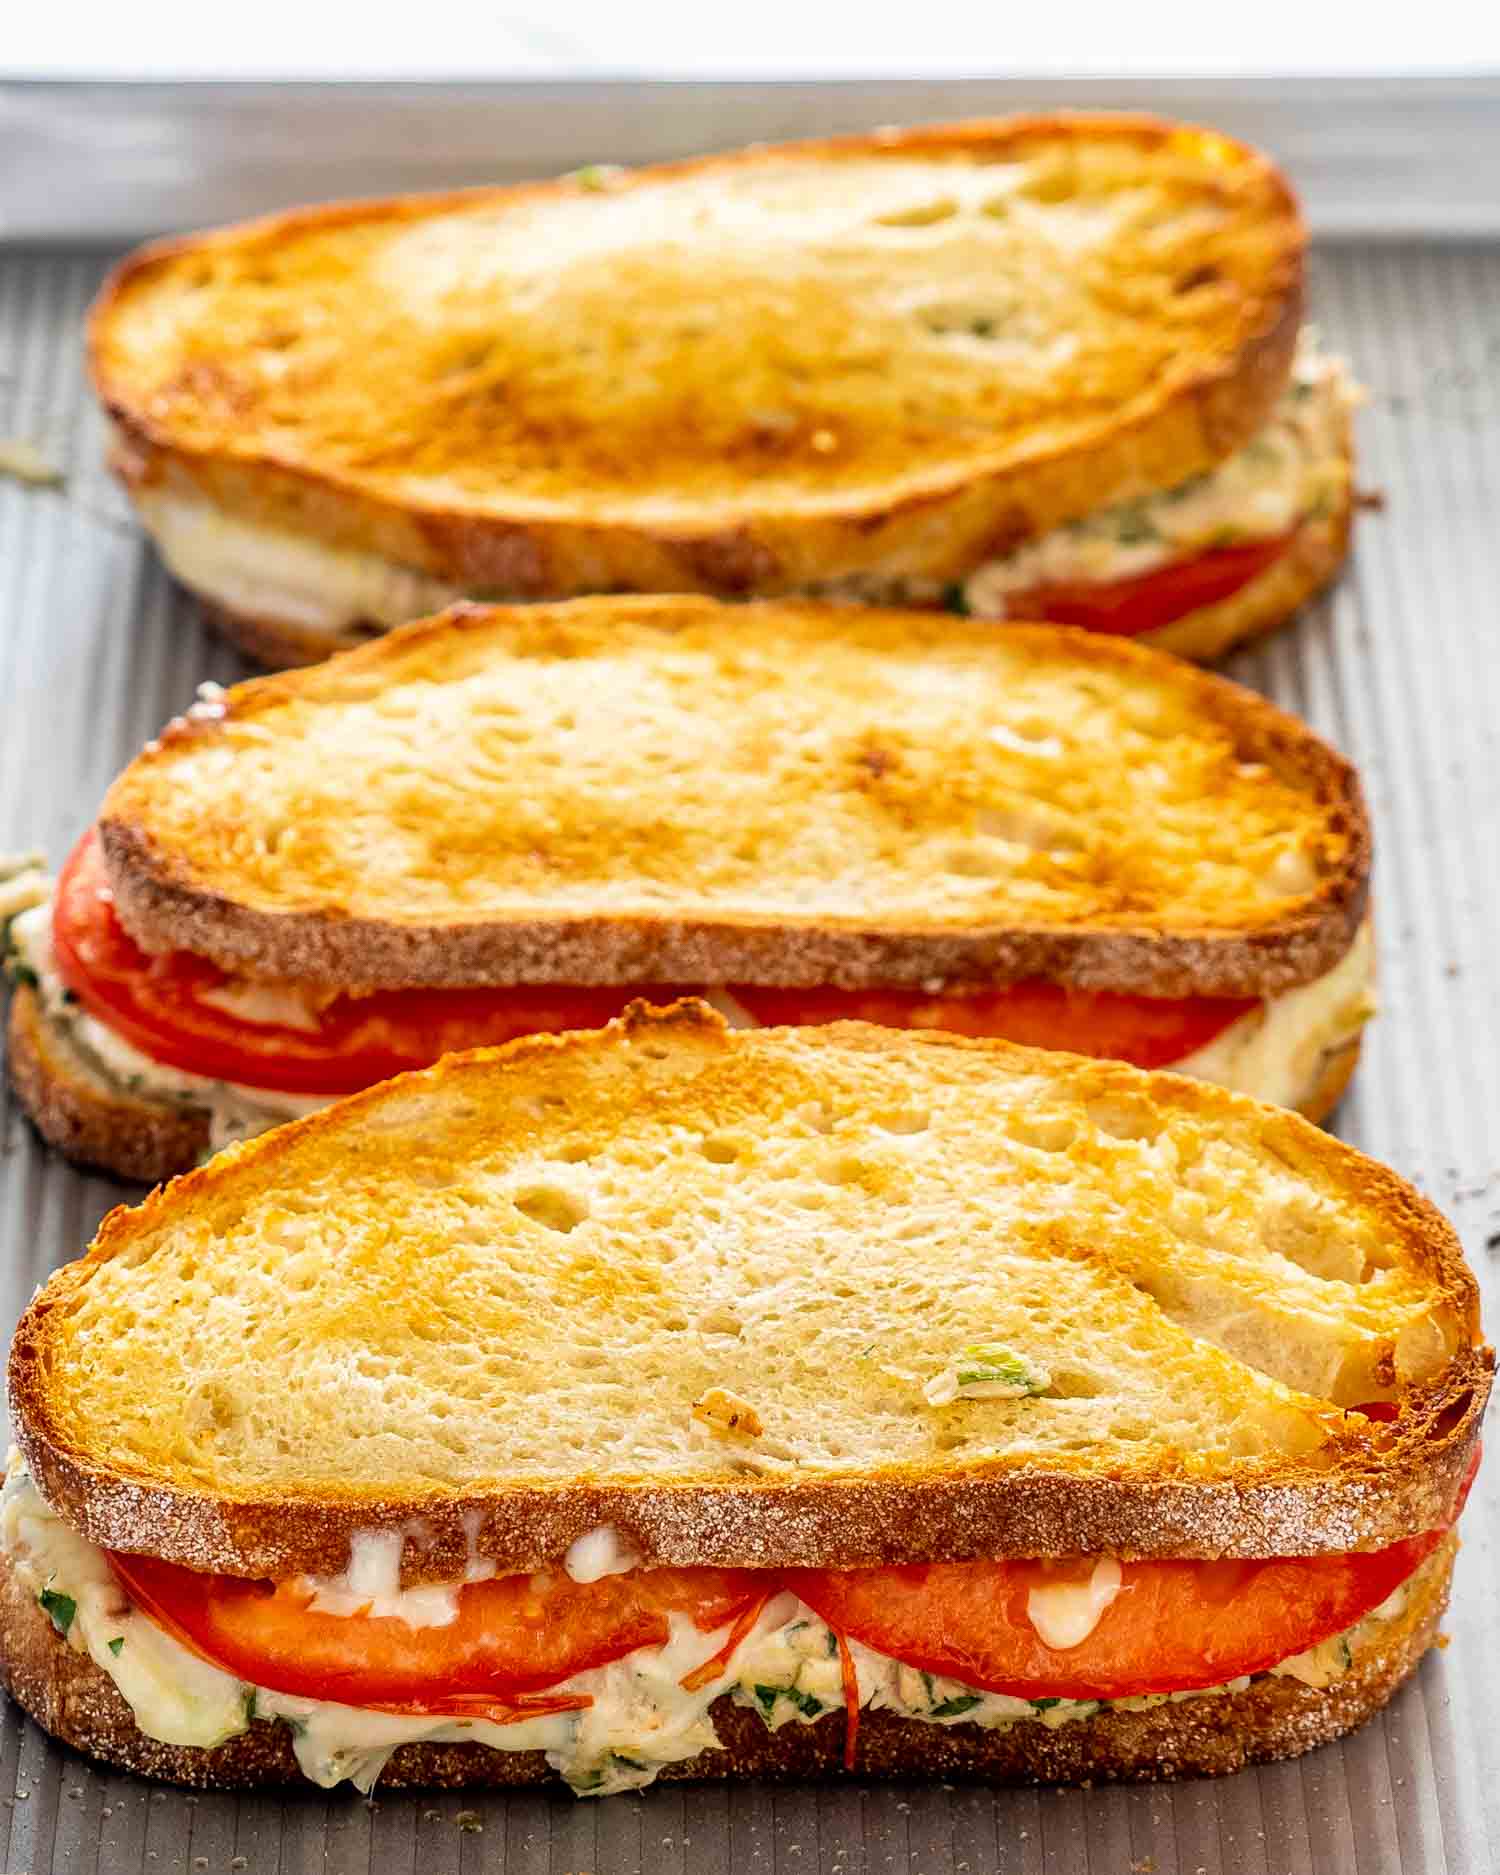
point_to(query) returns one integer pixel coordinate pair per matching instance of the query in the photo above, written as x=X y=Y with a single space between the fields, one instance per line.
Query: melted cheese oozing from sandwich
x=1292 y=470
x=1065 y=1614
x=598 y=1553
x=271 y=573
x=1277 y=1053
x=1285 y=474
x=786 y=1668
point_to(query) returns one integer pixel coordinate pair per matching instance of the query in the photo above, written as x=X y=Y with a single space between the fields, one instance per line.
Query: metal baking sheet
x=1401 y=667
x=79 y=162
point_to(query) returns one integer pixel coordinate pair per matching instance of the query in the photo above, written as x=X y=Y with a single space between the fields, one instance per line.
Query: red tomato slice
x=156 y=1003
x=513 y=1637
x=1173 y=1625
x=1151 y=1032
x=1127 y=607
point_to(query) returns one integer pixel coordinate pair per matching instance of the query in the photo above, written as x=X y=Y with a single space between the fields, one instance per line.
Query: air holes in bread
x=919 y=214
x=1047 y=1132
x=718 y=1150
x=549 y=1205
x=1124 y=1118
x=905 y=1120
x=974 y=319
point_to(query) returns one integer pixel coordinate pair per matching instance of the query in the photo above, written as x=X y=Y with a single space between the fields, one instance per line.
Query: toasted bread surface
x=900 y=352
x=89 y=1118
x=674 y=790
x=1274 y=1717
x=479 y=1303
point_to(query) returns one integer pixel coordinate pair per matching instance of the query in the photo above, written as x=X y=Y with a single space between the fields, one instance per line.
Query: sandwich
x=1039 y=367
x=506 y=821
x=671 y=1400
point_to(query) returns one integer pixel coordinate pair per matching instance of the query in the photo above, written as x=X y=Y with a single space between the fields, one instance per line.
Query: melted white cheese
x=271 y=573
x=371 y=1585
x=1065 y=1614
x=599 y=1552
x=23 y=884
x=1277 y=1052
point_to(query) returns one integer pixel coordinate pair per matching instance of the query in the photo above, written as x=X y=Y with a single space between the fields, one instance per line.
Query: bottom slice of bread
x=84 y=1115
x=1276 y=1716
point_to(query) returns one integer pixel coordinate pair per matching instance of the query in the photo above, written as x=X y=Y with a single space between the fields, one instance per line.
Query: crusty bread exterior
x=1311 y=562
x=656 y=384
x=675 y=791
x=1274 y=1717
x=88 y=1118
x=1209 y=1283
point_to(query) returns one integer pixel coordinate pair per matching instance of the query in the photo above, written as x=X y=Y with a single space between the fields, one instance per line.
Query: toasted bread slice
x=892 y=355
x=510 y=1279
x=1274 y=1717
x=671 y=790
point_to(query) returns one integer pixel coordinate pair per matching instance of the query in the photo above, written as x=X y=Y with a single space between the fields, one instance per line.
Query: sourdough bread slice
x=895 y=354
x=481 y=1304
x=1274 y=1717
x=668 y=790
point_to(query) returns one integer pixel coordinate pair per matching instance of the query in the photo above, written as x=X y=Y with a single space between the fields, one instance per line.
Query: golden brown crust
x=587 y=483
x=1333 y=1081
x=172 y=896
x=1363 y=1490
x=1275 y=1717
x=88 y=1119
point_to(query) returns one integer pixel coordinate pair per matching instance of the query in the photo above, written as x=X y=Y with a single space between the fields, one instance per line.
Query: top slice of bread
x=896 y=354
x=674 y=790
x=481 y=1303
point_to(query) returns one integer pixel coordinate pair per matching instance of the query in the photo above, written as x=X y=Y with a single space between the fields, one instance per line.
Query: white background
x=469 y=39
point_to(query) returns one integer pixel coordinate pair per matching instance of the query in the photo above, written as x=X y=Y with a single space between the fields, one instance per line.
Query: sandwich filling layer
x=1227 y=525
x=615 y=1721
x=123 y=1012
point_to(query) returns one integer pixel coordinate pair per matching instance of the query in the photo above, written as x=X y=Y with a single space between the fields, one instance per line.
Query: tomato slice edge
x=1144 y=602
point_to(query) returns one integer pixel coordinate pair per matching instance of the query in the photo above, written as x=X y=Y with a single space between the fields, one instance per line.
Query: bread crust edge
x=163 y=906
